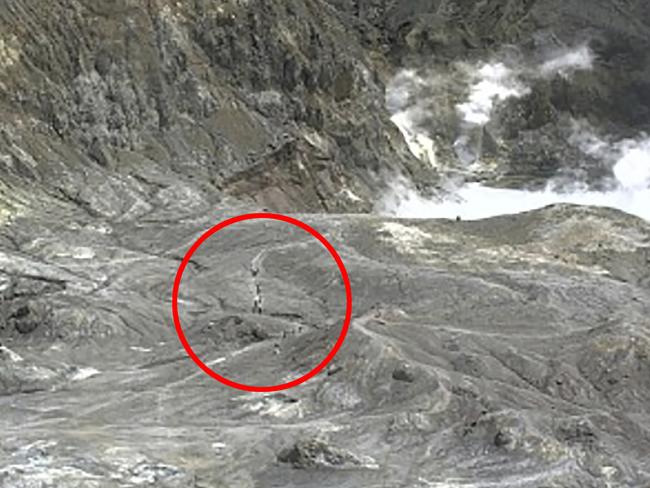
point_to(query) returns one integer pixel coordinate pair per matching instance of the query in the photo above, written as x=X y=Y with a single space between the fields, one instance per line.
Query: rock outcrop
x=276 y=103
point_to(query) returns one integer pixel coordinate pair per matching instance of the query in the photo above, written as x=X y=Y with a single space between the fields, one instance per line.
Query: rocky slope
x=509 y=352
x=258 y=100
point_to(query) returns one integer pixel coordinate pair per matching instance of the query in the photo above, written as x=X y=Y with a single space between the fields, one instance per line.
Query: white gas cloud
x=492 y=84
x=566 y=61
x=408 y=115
x=632 y=170
x=471 y=201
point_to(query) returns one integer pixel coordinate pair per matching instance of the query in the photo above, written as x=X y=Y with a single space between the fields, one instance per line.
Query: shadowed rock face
x=508 y=352
x=256 y=100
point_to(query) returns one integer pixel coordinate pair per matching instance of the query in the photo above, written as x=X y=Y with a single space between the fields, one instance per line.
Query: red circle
x=255 y=216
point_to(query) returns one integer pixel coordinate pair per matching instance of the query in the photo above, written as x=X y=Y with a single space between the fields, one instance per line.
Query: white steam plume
x=566 y=61
x=408 y=115
x=495 y=83
x=632 y=171
x=474 y=201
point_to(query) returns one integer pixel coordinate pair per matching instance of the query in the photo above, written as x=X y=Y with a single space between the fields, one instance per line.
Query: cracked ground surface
x=509 y=352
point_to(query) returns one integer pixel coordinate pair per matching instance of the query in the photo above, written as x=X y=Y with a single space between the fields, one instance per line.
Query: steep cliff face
x=274 y=102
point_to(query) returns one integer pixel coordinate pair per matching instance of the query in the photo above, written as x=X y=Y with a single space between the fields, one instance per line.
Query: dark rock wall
x=279 y=102
x=613 y=97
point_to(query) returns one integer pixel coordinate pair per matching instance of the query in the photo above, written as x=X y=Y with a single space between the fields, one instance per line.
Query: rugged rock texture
x=529 y=139
x=445 y=31
x=260 y=100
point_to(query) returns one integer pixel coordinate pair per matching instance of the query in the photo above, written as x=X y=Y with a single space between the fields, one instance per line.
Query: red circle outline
x=254 y=216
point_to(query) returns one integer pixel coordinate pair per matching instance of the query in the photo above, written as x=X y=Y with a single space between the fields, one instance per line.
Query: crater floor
x=513 y=351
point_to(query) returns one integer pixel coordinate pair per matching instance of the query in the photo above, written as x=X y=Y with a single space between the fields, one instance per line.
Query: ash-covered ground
x=512 y=351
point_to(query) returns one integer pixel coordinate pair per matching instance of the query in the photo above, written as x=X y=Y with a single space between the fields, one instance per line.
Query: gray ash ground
x=502 y=352
x=507 y=352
